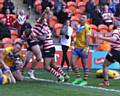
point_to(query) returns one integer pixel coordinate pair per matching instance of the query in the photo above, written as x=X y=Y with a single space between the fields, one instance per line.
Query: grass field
x=30 y=87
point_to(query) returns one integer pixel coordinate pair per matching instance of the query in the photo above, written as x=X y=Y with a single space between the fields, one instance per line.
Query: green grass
x=30 y=87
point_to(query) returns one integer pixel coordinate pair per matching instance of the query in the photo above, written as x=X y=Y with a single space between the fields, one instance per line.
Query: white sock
x=31 y=71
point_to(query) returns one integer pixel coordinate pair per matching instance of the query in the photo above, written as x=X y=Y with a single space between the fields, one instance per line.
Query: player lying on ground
x=13 y=59
x=6 y=77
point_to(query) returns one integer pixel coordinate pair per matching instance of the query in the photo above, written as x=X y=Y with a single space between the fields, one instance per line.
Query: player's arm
x=88 y=35
x=10 y=77
x=27 y=58
x=42 y=17
x=69 y=34
x=112 y=39
x=2 y=61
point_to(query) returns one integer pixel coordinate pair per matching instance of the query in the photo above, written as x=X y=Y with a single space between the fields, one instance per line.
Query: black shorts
x=49 y=53
x=40 y=42
x=113 y=56
x=30 y=45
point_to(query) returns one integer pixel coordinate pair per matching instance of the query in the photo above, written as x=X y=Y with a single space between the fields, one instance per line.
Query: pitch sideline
x=91 y=87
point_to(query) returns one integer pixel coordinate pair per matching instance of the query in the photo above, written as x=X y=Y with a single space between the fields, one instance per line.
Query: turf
x=30 y=87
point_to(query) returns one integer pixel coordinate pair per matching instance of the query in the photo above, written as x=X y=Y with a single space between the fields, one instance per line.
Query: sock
x=76 y=71
x=86 y=70
x=60 y=71
x=105 y=74
x=31 y=71
x=54 y=72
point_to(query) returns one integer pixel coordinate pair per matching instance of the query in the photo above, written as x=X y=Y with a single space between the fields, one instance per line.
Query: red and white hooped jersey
x=41 y=29
x=116 y=35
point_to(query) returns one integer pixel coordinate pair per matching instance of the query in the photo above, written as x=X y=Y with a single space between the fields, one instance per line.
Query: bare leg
x=18 y=75
x=85 y=67
x=28 y=56
x=105 y=70
x=74 y=66
x=47 y=62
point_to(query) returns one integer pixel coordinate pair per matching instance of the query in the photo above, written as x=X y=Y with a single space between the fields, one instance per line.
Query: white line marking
x=91 y=87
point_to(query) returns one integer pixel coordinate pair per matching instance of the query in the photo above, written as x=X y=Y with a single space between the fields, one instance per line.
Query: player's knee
x=20 y=78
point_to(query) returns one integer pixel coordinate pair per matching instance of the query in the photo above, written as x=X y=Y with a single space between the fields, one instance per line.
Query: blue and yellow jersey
x=9 y=57
x=81 y=36
x=4 y=79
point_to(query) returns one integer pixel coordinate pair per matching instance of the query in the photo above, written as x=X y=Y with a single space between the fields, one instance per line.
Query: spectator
x=65 y=42
x=8 y=4
x=46 y=3
x=112 y=7
x=4 y=32
x=103 y=2
x=107 y=16
x=22 y=17
x=69 y=0
x=30 y=3
x=117 y=13
x=9 y=19
x=115 y=1
x=63 y=16
x=97 y=16
x=90 y=6
x=24 y=1
x=58 y=7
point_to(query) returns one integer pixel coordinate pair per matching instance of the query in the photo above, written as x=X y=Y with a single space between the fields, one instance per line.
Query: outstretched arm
x=109 y=39
x=42 y=17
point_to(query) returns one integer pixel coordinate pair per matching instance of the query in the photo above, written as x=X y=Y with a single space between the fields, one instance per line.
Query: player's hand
x=99 y=36
x=19 y=64
x=85 y=50
x=6 y=67
x=47 y=9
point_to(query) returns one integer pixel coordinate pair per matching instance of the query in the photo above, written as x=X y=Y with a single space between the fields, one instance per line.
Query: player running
x=39 y=32
x=114 y=54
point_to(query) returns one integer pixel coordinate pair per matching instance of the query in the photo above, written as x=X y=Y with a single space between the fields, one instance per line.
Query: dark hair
x=27 y=32
x=19 y=43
